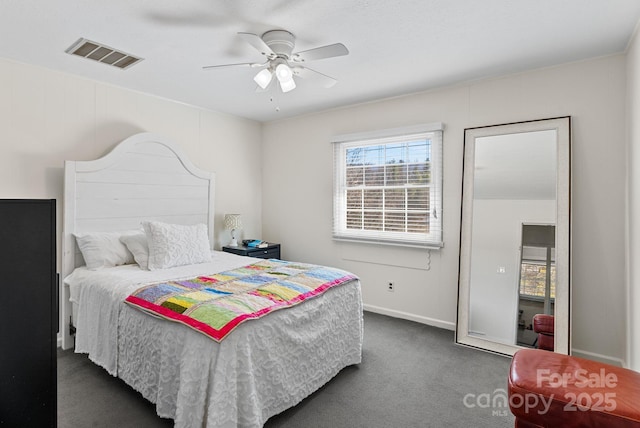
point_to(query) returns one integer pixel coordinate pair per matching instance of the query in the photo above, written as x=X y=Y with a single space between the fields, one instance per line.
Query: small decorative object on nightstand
x=232 y=222
x=271 y=251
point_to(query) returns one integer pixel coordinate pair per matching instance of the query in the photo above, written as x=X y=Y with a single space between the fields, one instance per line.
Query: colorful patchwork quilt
x=216 y=304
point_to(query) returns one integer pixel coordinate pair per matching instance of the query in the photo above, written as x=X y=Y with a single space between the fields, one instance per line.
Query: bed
x=260 y=368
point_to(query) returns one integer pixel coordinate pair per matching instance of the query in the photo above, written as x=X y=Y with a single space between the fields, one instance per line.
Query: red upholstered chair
x=543 y=325
x=555 y=390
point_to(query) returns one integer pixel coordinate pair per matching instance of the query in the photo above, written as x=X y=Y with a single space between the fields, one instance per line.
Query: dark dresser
x=29 y=319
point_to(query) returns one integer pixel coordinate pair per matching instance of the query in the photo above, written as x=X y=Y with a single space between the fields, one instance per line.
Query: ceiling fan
x=281 y=62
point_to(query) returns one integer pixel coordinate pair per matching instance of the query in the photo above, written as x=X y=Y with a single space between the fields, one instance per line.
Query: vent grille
x=101 y=53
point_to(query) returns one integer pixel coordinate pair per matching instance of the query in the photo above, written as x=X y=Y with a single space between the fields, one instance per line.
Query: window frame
x=432 y=239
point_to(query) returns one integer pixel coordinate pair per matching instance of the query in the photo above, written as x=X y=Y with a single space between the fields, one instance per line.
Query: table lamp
x=232 y=222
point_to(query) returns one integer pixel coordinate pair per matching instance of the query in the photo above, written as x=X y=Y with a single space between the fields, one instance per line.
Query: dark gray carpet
x=412 y=375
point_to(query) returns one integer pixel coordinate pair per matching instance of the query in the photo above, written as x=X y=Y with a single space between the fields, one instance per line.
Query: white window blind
x=388 y=187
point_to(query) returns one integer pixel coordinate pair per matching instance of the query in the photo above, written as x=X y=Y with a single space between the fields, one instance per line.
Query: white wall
x=633 y=183
x=297 y=192
x=47 y=117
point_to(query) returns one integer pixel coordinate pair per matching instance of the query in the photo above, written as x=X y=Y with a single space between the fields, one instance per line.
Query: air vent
x=101 y=53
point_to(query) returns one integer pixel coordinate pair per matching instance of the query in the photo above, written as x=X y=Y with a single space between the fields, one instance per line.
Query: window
x=387 y=187
x=538 y=273
x=538 y=263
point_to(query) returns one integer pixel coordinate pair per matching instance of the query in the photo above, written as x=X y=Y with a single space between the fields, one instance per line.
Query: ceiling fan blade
x=304 y=72
x=257 y=42
x=239 y=64
x=329 y=51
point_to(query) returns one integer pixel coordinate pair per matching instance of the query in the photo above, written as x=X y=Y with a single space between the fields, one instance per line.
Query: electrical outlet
x=391 y=286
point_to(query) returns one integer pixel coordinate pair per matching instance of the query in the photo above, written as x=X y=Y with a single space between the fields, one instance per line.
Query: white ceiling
x=396 y=47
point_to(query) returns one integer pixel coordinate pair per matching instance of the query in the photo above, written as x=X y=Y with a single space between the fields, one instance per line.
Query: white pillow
x=137 y=244
x=104 y=249
x=176 y=245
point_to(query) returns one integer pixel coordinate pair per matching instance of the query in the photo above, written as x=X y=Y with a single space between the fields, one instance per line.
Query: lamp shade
x=285 y=77
x=283 y=72
x=232 y=221
x=287 y=85
x=263 y=78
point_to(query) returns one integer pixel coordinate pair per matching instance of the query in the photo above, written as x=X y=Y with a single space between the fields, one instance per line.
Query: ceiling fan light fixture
x=263 y=78
x=287 y=85
x=285 y=77
x=284 y=72
x=277 y=48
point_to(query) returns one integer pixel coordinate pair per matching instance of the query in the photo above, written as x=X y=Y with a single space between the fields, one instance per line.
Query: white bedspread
x=262 y=368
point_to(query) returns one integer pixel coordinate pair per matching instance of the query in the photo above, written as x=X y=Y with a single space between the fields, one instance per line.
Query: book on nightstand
x=257 y=244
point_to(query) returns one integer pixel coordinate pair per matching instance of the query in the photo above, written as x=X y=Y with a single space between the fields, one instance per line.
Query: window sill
x=426 y=246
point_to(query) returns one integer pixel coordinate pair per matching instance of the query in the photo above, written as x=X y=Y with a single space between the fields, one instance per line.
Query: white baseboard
x=599 y=357
x=411 y=317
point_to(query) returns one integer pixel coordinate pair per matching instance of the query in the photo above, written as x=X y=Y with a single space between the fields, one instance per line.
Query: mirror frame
x=562 y=306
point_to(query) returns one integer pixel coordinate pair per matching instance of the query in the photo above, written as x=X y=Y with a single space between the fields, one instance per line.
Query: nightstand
x=270 y=252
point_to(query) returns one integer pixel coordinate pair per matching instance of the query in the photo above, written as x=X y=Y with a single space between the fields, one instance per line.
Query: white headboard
x=145 y=177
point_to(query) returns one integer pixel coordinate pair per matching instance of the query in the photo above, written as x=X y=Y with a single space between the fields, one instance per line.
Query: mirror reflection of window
x=537 y=283
x=533 y=274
